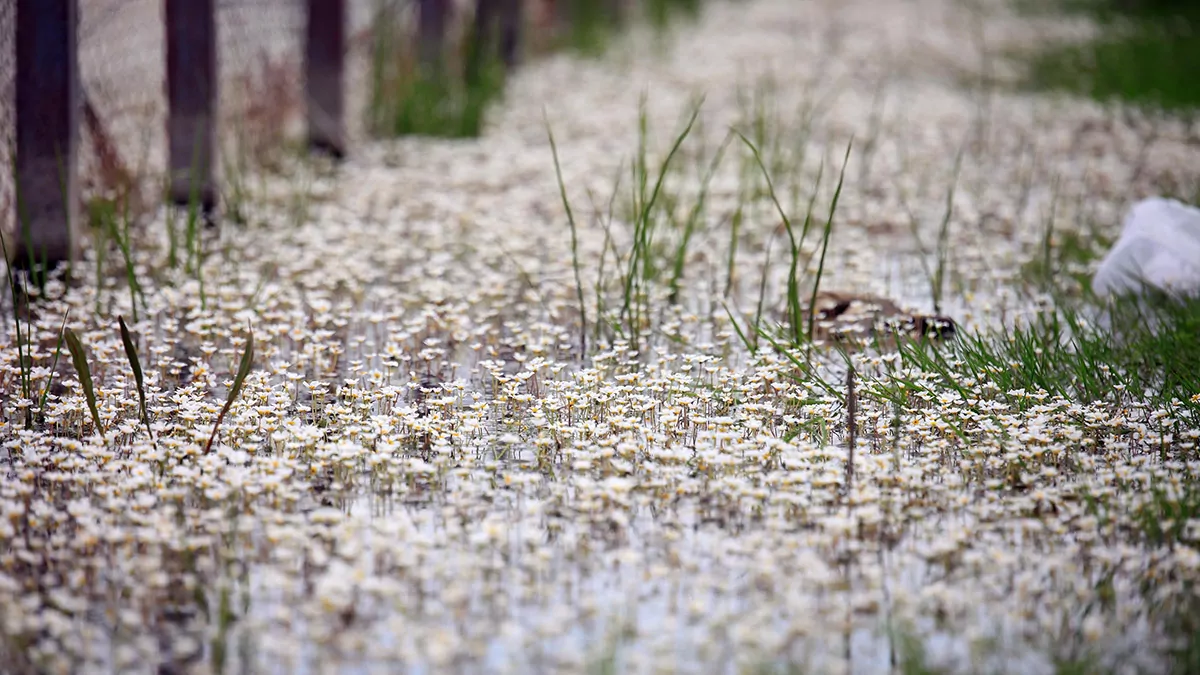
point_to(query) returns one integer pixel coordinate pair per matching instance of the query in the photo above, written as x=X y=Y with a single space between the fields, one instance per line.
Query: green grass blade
x=643 y=226
x=693 y=219
x=54 y=364
x=793 y=292
x=762 y=291
x=136 y=365
x=750 y=346
x=240 y=379
x=79 y=358
x=944 y=233
x=837 y=193
x=562 y=191
x=23 y=360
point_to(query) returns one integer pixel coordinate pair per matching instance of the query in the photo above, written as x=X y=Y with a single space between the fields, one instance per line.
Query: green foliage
x=645 y=263
x=592 y=25
x=661 y=12
x=443 y=99
x=1146 y=348
x=238 y=381
x=799 y=330
x=828 y=229
x=79 y=358
x=109 y=225
x=562 y=190
x=136 y=365
x=1147 y=53
x=1066 y=256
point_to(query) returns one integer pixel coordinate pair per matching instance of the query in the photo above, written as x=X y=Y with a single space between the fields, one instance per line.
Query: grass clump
x=1125 y=351
x=661 y=12
x=592 y=25
x=1146 y=53
x=663 y=226
x=446 y=98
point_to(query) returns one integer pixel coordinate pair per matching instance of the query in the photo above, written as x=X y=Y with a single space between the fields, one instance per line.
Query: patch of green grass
x=1148 y=350
x=648 y=260
x=661 y=12
x=1147 y=53
x=1108 y=10
x=449 y=100
x=109 y=225
x=430 y=104
x=663 y=223
x=593 y=23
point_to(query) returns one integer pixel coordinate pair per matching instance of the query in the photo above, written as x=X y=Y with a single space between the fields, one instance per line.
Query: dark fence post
x=511 y=18
x=432 y=16
x=192 y=97
x=483 y=32
x=324 y=64
x=47 y=92
x=494 y=33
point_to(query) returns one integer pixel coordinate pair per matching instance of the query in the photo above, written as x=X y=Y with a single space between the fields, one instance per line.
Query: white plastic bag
x=1159 y=245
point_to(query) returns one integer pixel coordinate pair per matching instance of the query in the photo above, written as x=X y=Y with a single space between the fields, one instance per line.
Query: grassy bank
x=1147 y=52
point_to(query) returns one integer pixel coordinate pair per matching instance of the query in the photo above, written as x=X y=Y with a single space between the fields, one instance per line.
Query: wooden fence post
x=495 y=31
x=47 y=110
x=324 y=65
x=192 y=97
x=483 y=31
x=511 y=18
x=432 y=16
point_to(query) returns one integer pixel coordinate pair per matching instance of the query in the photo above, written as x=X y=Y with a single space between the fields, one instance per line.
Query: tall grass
x=660 y=13
x=643 y=265
x=449 y=100
x=801 y=321
x=828 y=230
x=592 y=25
x=116 y=228
x=575 y=263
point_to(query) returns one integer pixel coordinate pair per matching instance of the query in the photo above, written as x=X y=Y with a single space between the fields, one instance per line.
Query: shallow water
x=423 y=475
